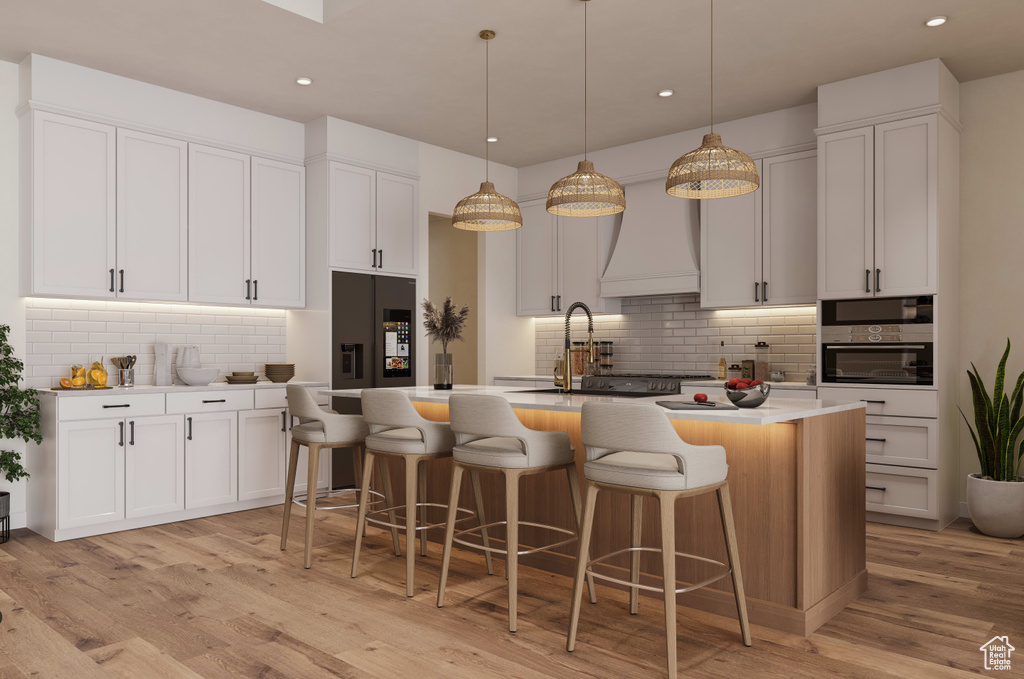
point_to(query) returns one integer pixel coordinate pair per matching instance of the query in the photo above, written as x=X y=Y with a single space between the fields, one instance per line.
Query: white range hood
x=658 y=247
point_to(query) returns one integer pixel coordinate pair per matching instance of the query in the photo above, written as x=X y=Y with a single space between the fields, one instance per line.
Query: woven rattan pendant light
x=586 y=192
x=487 y=210
x=713 y=170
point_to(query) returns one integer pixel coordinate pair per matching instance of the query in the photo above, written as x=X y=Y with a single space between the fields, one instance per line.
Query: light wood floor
x=216 y=598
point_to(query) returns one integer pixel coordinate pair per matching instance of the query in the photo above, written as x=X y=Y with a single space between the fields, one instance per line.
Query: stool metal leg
x=411 y=468
x=361 y=519
x=725 y=507
x=668 y=561
x=512 y=544
x=478 y=498
x=384 y=469
x=449 y=531
x=582 y=556
x=577 y=504
x=636 y=514
x=289 y=491
x=314 y=467
x=422 y=481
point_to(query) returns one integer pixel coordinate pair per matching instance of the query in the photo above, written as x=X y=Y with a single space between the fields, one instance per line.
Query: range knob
x=652 y=386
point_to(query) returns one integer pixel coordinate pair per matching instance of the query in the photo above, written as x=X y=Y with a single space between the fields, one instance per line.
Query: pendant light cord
x=487 y=110
x=584 y=81
x=712 y=66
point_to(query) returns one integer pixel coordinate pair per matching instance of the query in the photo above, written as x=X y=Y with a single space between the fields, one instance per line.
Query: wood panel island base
x=796 y=475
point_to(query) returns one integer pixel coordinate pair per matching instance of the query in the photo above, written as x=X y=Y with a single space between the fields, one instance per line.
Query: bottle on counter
x=722 y=369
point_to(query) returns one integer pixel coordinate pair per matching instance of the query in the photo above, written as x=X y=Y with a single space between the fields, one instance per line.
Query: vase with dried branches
x=444 y=325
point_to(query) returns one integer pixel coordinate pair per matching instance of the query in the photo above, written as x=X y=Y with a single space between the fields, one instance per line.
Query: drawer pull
x=872 y=439
x=870 y=401
x=881 y=488
x=215 y=400
x=119 y=405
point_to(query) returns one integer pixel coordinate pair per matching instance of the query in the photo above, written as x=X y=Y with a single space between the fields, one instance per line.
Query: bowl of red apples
x=746 y=393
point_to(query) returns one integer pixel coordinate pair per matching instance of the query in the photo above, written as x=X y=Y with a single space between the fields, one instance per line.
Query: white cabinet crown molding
x=891 y=118
x=359 y=162
x=33 y=105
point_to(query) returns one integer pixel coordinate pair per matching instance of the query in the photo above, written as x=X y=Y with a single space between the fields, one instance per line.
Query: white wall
x=991 y=242
x=12 y=307
x=505 y=340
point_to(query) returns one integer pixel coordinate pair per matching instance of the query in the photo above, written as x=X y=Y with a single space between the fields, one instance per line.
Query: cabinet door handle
x=111 y=280
x=121 y=272
x=870 y=401
x=380 y=256
x=373 y=258
x=558 y=298
x=756 y=297
x=764 y=290
x=119 y=405
x=284 y=420
x=120 y=426
x=248 y=289
x=867 y=280
x=131 y=435
x=872 y=439
x=215 y=400
x=255 y=290
x=878 y=280
x=552 y=302
x=189 y=421
x=881 y=488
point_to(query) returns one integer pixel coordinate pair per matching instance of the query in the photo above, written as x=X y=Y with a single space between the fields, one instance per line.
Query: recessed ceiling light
x=666 y=93
x=492 y=139
x=304 y=80
x=935 y=21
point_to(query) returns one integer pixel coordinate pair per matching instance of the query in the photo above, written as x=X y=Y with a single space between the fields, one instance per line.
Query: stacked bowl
x=242 y=378
x=279 y=372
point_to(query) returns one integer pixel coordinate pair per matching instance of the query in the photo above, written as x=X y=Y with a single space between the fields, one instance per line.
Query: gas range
x=649 y=384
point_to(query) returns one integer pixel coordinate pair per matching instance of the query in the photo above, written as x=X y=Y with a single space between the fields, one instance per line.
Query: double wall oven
x=878 y=341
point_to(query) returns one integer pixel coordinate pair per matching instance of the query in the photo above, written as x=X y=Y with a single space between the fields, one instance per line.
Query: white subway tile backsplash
x=61 y=333
x=672 y=333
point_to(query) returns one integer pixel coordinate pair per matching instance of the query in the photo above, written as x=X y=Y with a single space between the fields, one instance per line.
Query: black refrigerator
x=373 y=344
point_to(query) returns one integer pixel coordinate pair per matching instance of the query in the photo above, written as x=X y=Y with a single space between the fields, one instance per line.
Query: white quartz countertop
x=775 y=409
x=704 y=384
x=177 y=388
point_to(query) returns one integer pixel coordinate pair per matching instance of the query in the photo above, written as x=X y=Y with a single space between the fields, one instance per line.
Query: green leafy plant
x=446 y=324
x=19 y=410
x=997 y=423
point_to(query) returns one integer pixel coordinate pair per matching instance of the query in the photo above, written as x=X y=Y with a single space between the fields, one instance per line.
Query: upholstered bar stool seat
x=319 y=428
x=491 y=437
x=634 y=449
x=398 y=431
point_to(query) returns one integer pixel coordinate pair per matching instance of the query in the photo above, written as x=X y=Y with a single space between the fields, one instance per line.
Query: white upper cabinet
x=373 y=221
x=353 y=217
x=846 y=248
x=397 y=235
x=152 y=217
x=536 y=257
x=790 y=232
x=877 y=210
x=73 y=229
x=278 y=234
x=219 y=212
x=730 y=251
x=906 y=196
x=759 y=248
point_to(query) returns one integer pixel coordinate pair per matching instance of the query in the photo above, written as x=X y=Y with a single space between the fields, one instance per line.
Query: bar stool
x=321 y=428
x=634 y=449
x=397 y=430
x=490 y=437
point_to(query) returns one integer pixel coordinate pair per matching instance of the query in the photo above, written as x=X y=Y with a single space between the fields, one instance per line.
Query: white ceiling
x=415 y=67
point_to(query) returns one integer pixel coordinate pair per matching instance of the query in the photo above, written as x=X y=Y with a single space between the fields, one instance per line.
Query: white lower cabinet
x=261 y=457
x=154 y=466
x=90 y=471
x=211 y=459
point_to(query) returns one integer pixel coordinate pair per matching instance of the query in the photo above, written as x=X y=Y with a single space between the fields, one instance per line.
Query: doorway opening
x=453 y=273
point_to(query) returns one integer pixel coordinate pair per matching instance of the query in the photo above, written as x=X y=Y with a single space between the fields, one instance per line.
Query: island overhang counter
x=797 y=480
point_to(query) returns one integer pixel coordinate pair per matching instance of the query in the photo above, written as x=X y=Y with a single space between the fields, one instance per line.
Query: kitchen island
x=796 y=476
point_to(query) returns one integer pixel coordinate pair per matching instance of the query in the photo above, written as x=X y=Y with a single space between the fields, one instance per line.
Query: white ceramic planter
x=996 y=507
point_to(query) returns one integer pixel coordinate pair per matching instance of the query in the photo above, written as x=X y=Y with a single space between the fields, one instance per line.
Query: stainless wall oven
x=878 y=341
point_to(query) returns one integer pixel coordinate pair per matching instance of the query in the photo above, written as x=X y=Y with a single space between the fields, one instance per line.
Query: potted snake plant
x=995 y=496
x=19 y=419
